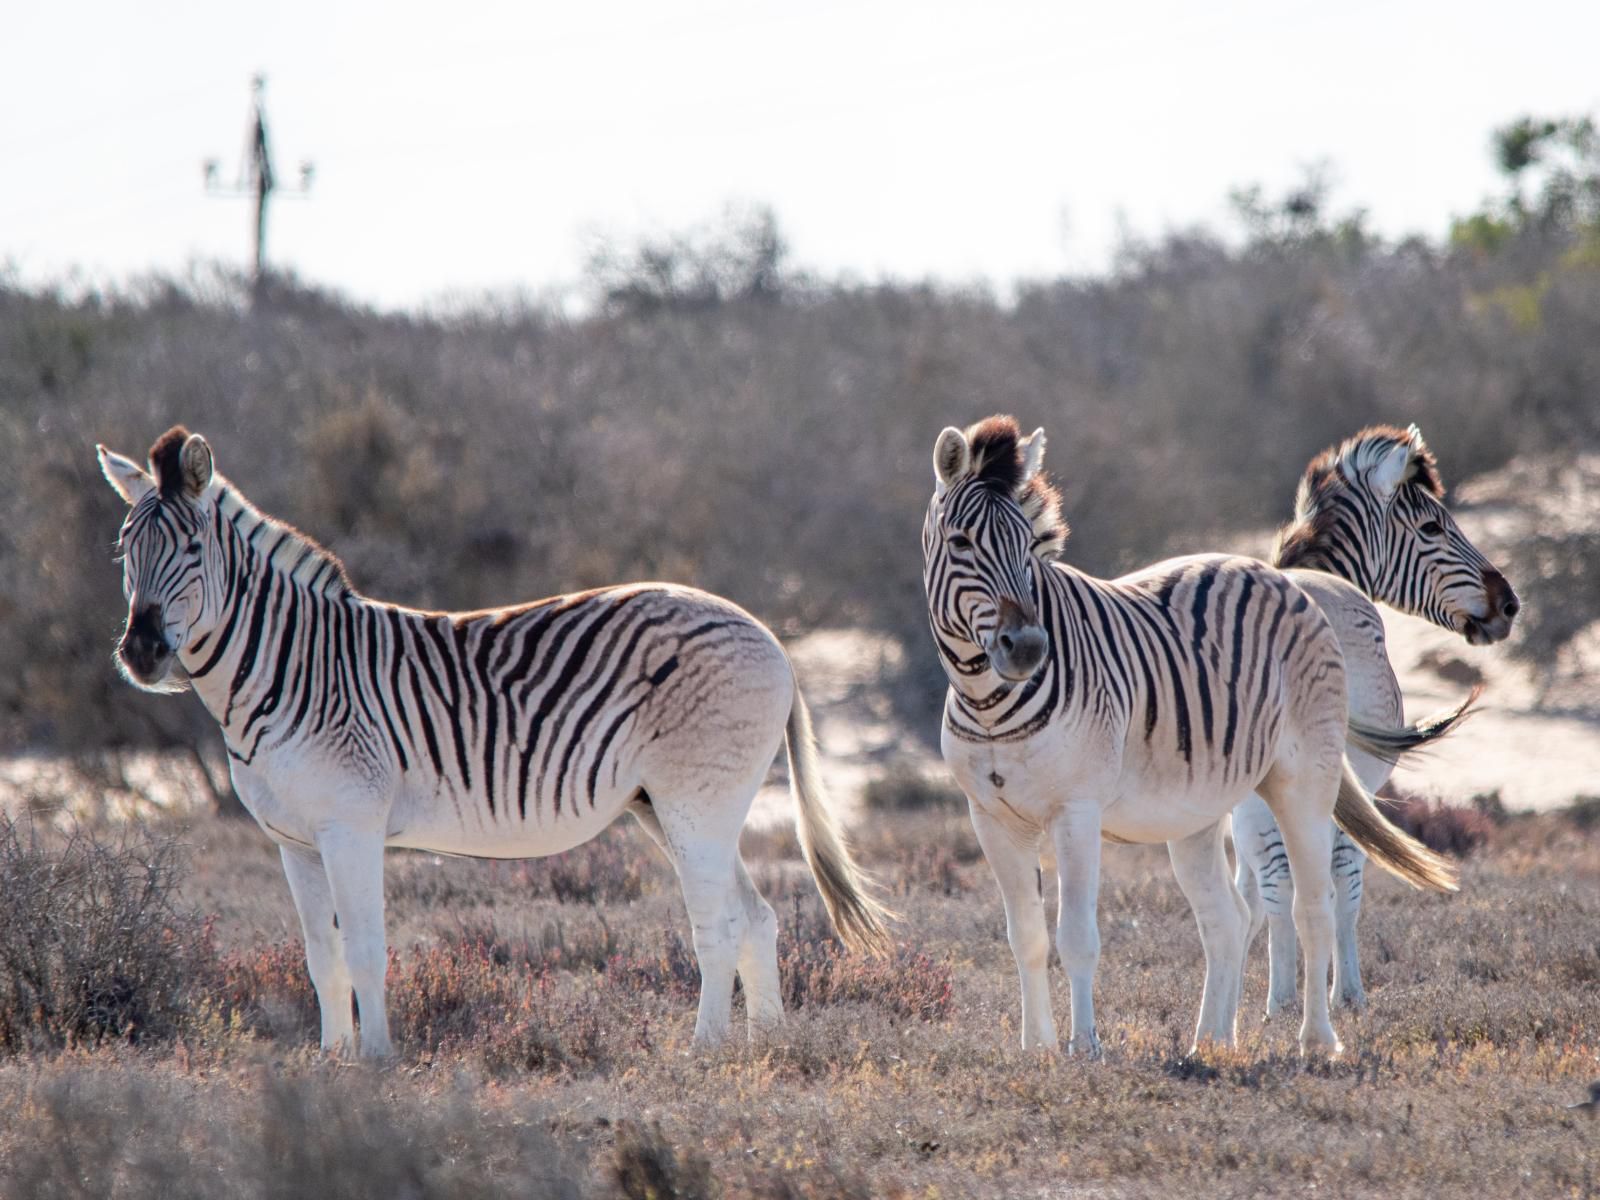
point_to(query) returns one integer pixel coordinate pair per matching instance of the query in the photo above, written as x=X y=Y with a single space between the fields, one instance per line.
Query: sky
x=475 y=148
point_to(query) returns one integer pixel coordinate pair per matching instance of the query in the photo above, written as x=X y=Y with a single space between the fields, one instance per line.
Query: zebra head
x=165 y=544
x=992 y=523
x=1372 y=511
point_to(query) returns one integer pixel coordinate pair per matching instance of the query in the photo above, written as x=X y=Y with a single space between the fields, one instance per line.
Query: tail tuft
x=860 y=920
x=1388 y=845
x=1390 y=744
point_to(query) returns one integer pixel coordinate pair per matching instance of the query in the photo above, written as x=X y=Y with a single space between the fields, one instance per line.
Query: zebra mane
x=1332 y=472
x=997 y=462
x=297 y=554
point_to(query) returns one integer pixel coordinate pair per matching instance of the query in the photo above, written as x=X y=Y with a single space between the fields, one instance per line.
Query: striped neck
x=983 y=707
x=264 y=575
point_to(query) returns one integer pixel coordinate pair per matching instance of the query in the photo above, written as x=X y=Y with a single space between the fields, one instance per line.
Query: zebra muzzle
x=1018 y=645
x=144 y=650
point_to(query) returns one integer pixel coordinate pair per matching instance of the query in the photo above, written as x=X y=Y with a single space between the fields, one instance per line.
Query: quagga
x=1371 y=512
x=1140 y=709
x=352 y=725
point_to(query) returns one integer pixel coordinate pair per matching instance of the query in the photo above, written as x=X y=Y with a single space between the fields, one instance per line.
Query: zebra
x=1370 y=512
x=1139 y=709
x=352 y=724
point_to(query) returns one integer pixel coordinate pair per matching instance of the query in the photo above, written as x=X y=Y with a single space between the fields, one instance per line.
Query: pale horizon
x=486 y=154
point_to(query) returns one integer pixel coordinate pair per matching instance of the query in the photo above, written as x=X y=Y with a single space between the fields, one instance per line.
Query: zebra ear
x=1389 y=472
x=1418 y=446
x=195 y=461
x=952 y=456
x=124 y=475
x=1032 y=448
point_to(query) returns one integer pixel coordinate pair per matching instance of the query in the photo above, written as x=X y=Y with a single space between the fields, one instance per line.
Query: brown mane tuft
x=997 y=462
x=165 y=461
x=1300 y=541
x=996 y=456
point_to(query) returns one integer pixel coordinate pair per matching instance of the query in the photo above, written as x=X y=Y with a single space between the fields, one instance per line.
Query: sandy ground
x=1535 y=758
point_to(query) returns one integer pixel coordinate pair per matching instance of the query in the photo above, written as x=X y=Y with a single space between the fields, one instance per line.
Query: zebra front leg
x=1201 y=868
x=319 y=926
x=1077 y=842
x=353 y=860
x=1349 y=867
x=1016 y=868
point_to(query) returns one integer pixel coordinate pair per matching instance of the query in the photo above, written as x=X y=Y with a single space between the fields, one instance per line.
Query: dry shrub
x=1445 y=828
x=456 y=998
x=93 y=945
x=474 y=995
x=95 y=1132
x=902 y=791
x=672 y=971
x=267 y=991
x=933 y=868
x=815 y=971
x=614 y=866
x=646 y=1166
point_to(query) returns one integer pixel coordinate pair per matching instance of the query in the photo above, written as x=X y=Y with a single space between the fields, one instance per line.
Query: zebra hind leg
x=1264 y=881
x=1349 y=867
x=1308 y=842
x=704 y=848
x=758 y=955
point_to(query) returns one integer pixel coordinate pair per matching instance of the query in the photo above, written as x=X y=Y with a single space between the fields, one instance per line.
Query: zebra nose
x=144 y=644
x=1502 y=597
x=1021 y=650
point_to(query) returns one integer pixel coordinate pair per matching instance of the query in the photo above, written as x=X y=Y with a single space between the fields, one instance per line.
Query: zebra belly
x=1166 y=816
x=449 y=823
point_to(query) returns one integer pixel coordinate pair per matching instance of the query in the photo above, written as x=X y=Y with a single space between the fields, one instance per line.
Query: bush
x=91 y=1133
x=94 y=945
x=815 y=971
x=1444 y=828
x=500 y=456
x=910 y=791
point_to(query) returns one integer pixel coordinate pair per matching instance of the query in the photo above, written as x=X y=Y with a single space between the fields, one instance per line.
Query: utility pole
x=256 y=178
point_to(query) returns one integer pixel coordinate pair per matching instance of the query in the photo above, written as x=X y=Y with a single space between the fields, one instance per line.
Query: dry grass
x=546 y=1047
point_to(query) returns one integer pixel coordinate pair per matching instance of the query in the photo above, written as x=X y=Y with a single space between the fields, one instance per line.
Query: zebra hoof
x=1087 y=1046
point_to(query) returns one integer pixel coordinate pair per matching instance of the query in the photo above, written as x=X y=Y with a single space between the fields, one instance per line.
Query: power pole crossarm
x=258 y=180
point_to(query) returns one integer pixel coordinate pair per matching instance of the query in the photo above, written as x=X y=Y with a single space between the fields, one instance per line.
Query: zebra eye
x=193 y=547
x=1430 y=529
x=961 y=542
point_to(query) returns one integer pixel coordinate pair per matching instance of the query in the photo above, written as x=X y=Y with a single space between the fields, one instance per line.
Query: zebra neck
x=276 y=589
x=984 y=707
x=1349 y=560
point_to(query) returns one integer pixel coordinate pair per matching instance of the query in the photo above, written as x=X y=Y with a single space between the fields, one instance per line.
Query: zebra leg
x=353 y=860
x=319 y=925
x=1201 y=868
x=716 y=920
x=1269 y=894
x=704 y=848
x=758 y=949
x=758 y=955
x=1077 y=845
x=1349 y=866
x=1308 y=841
x=1016 y=871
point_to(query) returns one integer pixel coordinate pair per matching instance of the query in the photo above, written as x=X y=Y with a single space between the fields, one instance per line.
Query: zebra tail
x=846 y=889
x=1393 y=849
x=1390 y=744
